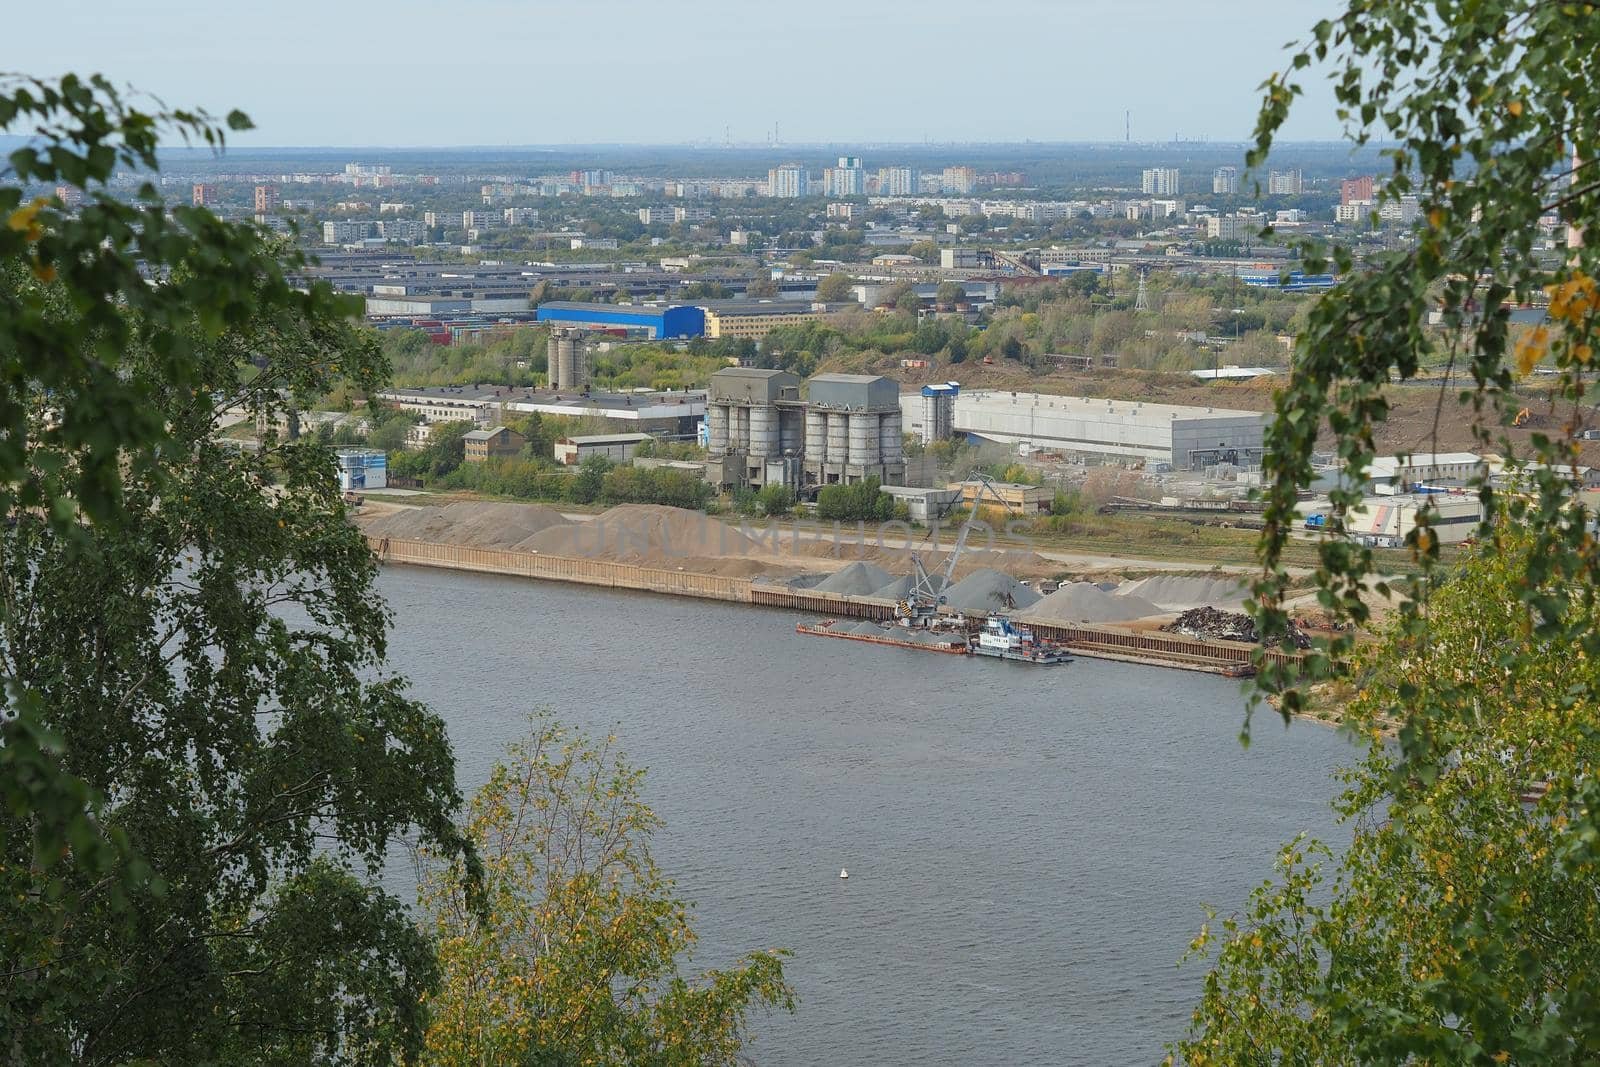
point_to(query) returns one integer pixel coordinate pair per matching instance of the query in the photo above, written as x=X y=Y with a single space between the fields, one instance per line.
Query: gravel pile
x=1087 y=602
x=898 y=589
x=858 y=579
x=1178 y=592
x=989 y=590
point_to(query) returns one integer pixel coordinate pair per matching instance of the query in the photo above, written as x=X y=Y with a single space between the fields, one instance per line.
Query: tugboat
x=1004 y=639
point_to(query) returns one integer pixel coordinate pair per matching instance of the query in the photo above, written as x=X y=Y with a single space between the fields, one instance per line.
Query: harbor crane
x=921 y=605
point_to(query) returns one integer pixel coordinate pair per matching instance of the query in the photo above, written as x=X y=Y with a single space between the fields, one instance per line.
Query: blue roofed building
x=654 y=321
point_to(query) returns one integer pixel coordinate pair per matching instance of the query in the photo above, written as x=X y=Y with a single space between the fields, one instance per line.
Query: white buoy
x=843 y=873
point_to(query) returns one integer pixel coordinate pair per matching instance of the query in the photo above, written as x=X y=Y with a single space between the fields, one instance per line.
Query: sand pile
x=857 y=579
x=651 y=535
x=989 y=590
x=485 y=525
x=1086 y=602
x=1178 y=592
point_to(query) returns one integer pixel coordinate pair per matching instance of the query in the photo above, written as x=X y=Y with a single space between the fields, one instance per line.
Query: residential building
x=897 y=181
x=1160 y=181
x=788 y=181
x=1285 y=183
x=1353 y=212
x=481 y=220
x=1405 y=211
x=204 y=194
x=267 y=199
x=402 y=231
x=1236 y=227
x=347 y=231
x=655 y=216
x=959 y=180
x=1225 y=181
x=521 y=216
x=841 y=211
x=70 y=196
x=688 y=216
x=1355 y=190
x=617 y=447
x=847 y=179
x=604 y=243
x=494 y=443
x=447 y=220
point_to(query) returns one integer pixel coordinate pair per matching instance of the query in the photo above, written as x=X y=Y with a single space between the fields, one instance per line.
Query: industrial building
x=497 y=442
x=930 y=414
x=362 y=468
x=617 y=447
x=1390 y=475
x=1019 y=497
x=653 y=321
x=457 y=403
x=567 y=358
x=853 y=430
x=1187 y=438
x=1386 y=521
x=673 y=415
x=757 y=418
x=753 y=321
x=847 y=428
x=924 y=505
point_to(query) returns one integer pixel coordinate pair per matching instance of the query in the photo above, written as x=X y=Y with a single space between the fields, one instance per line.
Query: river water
x=1029 y=848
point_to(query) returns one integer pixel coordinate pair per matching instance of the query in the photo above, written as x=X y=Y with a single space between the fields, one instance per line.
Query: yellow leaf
x=1515 y=107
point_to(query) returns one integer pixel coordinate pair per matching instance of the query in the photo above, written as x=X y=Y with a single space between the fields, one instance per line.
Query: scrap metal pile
x=1209 y=624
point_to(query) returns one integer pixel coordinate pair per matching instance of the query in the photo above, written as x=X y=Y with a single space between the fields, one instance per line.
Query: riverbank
x=1128 y=644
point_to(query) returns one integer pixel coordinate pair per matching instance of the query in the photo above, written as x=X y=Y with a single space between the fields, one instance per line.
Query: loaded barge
x=880 y=634
x=999 y=638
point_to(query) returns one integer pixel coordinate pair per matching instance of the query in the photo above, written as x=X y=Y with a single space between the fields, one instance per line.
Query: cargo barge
x=873 y=633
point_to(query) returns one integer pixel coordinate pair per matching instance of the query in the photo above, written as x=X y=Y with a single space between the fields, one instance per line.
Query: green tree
x=863 y=501
x=1461 y=926
x=589 y=482
x=834 y=288
x=204 y=766
x=951 y=294
x=764 y=287
x=574 y=956
x=927 y=251
x=776 y=499
x=1459 y=915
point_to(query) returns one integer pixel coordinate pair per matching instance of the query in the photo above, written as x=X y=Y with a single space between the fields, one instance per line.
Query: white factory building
x=1189 y=438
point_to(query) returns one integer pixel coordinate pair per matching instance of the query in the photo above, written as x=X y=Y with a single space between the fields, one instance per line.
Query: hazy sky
x=496 y=72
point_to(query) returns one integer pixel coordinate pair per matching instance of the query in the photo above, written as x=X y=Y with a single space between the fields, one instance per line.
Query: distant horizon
x=706 y=72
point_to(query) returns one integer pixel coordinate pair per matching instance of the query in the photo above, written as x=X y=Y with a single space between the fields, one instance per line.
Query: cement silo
x=763 y=419
x=862 y=415
x=816 y=434
x=891 y=445
x=568 y=359
x=864 y=439
x=717 y=429
x=763 y=432
x=838 y=450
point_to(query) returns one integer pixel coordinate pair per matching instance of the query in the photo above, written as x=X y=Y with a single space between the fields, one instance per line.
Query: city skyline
x=616 y=73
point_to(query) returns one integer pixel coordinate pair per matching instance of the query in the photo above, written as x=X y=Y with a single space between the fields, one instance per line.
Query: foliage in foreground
x=200 y=765
x=1462 y=926
x=574 y=955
